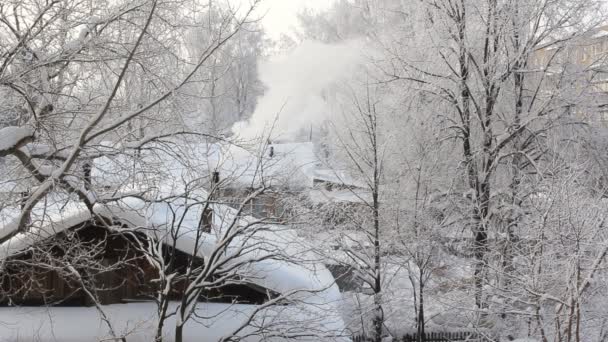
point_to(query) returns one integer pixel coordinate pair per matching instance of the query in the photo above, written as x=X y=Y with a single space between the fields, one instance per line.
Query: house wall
x=267 y=205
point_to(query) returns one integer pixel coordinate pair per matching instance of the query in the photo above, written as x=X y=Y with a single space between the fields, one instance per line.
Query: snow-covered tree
x=93 y=116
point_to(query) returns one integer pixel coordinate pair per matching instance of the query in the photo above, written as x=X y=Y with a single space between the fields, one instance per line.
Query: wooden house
x=90 y=263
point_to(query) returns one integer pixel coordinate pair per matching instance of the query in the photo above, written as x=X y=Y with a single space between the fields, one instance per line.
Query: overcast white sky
x=281 y=14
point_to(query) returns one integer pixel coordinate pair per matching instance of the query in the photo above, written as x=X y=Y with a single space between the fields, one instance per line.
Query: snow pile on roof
x=156 y=168
x=318 y=196
x=11 y=137
x=290 y=164
x=601 y=32
x=54 y=217
x=293 y=165
x=337 y=177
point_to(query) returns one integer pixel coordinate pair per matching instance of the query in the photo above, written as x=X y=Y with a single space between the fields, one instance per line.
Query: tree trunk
x=179 y=332
x=420 y=318
x=378 y=315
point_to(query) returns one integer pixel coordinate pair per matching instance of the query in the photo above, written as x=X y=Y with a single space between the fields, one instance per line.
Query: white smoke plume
x=295 y=84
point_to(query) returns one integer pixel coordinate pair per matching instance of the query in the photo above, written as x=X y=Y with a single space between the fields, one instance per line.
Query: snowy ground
x=137 y=321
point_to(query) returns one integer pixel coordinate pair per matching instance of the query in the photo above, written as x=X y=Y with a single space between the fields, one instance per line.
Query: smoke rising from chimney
x=294 y=100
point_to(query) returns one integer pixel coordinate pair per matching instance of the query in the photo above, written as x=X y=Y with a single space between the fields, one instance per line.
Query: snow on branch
x=14 y=137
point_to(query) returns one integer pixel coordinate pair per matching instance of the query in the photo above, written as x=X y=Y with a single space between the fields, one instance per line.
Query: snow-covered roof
x=601 y=32
x=291 y=164
x=157 y=168
x=337 y=177
x=46 y=220
x=318 y=196
x=157 y=220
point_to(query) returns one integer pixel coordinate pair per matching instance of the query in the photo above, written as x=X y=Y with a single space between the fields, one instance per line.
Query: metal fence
x=469 y=336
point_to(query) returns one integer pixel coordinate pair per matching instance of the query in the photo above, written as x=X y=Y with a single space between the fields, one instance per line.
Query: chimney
x=86 y=170
x=310 y=136
x=215 y=188
x=23 y=197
